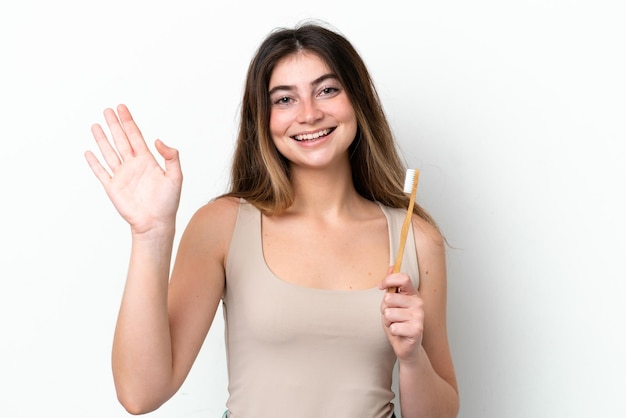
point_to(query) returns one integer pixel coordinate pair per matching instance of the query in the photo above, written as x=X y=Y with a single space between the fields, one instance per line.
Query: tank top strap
x=395 y=219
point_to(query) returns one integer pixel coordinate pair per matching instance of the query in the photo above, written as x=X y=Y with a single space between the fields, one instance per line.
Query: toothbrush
x=410 y=186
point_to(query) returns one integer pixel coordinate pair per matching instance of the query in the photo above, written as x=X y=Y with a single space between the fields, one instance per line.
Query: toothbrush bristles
x=408 y=180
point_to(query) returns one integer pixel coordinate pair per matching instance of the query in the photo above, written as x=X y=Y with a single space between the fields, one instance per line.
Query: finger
x=392 y=289
x=172 y=160
x=134 y=135
x=400 y=300
x=97 y=168
x=400 y=281
x=119 y=136
x=391 y=315
x=106 y=149
x=410 y=319
x=406 y=330
x=402 y=314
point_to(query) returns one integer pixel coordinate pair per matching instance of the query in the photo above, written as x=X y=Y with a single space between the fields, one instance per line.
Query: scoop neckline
x=278 y=279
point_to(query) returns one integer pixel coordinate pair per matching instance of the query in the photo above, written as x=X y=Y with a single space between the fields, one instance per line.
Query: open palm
x=144 y=193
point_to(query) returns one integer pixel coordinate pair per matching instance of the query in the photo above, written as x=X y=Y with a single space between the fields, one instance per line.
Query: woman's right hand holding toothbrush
x=145 y=194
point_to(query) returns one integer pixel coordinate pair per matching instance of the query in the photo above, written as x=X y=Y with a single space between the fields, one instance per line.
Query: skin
x=163 y=321
x=328 y=213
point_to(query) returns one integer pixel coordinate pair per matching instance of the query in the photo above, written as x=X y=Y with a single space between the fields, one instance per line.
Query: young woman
x=298 y=251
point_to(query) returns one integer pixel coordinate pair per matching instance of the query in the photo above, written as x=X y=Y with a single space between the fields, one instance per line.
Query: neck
x=324 y=193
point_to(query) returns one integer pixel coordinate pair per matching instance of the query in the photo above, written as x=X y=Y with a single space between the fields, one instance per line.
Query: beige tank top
x=294 y=351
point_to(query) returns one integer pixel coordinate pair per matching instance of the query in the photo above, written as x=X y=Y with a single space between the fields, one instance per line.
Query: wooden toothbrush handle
x=405 y=230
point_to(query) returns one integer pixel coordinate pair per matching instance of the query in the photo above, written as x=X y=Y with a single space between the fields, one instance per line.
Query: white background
x=513 y=111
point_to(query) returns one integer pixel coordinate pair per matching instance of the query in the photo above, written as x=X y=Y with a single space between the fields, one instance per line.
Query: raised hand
x=144 y=193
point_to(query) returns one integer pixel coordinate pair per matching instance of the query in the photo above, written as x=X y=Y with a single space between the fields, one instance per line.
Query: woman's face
x=312 y=121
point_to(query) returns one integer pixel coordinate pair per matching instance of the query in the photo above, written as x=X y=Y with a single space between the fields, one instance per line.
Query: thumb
x=382 y=285
x=171 y=157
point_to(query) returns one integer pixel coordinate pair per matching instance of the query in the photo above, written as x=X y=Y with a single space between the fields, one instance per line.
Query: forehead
x=301 y=67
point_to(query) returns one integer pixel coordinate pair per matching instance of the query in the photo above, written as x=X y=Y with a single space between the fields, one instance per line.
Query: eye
x=282 y=100
x=329 y=91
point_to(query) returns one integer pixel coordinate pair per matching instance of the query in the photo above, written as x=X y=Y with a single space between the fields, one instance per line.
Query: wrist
x=416 y=361
x=156 y=233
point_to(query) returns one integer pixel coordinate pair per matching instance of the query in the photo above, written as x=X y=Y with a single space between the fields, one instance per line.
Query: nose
x=309 y=111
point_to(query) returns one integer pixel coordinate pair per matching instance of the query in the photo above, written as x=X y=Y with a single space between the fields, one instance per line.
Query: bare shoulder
x=211 y=226
x=217 y=213
x=431 y=256
x=218 y=209
x=428 y=238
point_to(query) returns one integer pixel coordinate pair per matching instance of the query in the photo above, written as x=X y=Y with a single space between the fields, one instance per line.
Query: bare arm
x=415 y=321
x=162 y=322
x=161 y=327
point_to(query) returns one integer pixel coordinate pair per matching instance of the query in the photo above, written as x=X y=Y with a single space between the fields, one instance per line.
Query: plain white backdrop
x=513 y=111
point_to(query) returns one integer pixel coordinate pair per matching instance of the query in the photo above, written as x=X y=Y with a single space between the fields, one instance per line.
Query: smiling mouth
x=313 y=136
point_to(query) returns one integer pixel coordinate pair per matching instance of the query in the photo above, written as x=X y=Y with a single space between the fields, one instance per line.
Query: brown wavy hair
x=260 y=174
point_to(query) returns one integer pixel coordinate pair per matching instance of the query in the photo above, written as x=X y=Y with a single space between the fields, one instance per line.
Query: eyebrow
x=313 y=83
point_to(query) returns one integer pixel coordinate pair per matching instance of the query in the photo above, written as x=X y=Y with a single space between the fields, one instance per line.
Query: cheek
x=277 y=127
x=348 y=115
x=352 y=123
x=278 y=123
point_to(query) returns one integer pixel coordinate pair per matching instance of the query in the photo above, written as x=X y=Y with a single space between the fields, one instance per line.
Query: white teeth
x=309 y=137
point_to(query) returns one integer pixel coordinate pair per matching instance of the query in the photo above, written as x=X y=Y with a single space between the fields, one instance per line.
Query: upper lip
x=312 y=135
